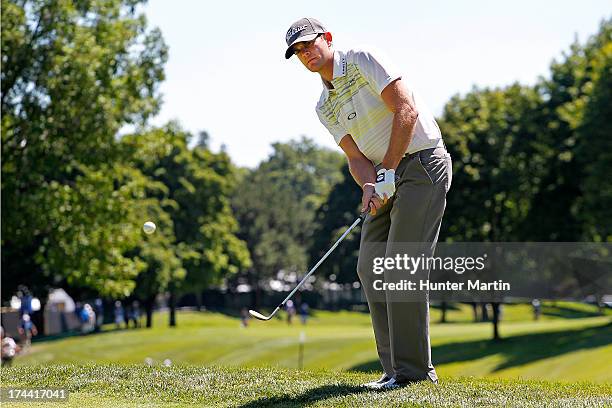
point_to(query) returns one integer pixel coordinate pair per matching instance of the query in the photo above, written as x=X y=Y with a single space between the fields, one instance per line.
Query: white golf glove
x=385 y=183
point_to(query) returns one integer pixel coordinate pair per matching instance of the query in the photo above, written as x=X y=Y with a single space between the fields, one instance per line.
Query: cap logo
x=294 y=30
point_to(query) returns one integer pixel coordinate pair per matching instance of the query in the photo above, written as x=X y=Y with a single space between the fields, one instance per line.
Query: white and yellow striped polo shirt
x=354 y=106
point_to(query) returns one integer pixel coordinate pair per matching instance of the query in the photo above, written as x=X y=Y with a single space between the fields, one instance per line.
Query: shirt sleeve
x=377 y=69
x=335 y=128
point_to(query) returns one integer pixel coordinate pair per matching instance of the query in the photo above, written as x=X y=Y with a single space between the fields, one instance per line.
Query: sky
x=226 y=72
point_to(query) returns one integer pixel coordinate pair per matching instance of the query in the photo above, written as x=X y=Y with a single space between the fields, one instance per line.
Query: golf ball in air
x=149 y=227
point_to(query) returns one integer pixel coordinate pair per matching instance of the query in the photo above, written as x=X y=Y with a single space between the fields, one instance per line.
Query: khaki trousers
x=414 y=214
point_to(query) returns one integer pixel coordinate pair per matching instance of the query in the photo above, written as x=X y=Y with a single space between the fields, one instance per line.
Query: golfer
x=396 y=155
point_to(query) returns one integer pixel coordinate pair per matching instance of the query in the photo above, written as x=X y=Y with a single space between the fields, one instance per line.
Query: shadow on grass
x=516 y=350
x=568 y=312
x=77 y=334
x=450 y=307
x=306 y=398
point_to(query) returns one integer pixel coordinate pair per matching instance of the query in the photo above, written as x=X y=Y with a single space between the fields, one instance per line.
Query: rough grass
x=188 y=386
x=554 y=348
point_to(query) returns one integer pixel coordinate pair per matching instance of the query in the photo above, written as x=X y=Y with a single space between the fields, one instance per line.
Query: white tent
x=59 y=313
x=57 y=297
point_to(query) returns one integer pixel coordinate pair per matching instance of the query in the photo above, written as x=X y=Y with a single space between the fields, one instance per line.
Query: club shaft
x=314 y=268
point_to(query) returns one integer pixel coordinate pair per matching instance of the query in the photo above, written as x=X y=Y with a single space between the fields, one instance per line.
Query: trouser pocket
x=437 y=165
x=449 y=171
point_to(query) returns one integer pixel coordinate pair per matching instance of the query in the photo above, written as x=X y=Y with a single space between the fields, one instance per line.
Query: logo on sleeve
x=351 y=115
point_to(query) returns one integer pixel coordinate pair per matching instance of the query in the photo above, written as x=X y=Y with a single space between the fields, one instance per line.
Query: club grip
x=364 y=214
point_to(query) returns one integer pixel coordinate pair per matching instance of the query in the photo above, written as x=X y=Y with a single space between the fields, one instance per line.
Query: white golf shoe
x=392 y=384
x=376 y=384
x=395 y=383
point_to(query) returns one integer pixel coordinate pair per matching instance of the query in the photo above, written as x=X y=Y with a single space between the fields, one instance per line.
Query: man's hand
x=385 y=184
x=370 y=199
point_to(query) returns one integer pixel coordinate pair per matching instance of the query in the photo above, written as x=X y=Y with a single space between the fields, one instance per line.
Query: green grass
x=188 y=386
x=571 y=344
x=523 y=312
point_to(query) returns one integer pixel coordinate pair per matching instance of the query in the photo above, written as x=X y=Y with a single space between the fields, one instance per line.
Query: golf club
x=259 y=316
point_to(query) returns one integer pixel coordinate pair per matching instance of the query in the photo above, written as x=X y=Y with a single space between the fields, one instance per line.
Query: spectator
x=134 y=314
x=244 y=317
x=27 y=329
x=304 y=308
x=537 y=308
x=9 y=349
x=78 y=310
x=99 y=309
x=290 y=311
x=119 y=314
x=88 y=319
x=26 y=301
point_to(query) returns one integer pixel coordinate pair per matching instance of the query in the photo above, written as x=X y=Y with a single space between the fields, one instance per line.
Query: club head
x=258 y=315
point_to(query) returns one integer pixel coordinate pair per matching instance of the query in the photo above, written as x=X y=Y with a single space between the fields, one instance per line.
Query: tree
x=499 y=155
x=198 y=185
x=332 y=220
x=530 y=164
x=276 y=204
x=575 y=188
x=582 y=92
x=594 y=151
x=158 y=251
x=73 y=73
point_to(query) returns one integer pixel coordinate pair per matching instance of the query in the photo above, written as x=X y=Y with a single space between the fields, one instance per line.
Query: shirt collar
x=339 y=68
x=339 y=64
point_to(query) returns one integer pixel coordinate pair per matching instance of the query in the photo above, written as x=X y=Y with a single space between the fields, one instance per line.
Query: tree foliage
x=198 y=185
x=531 y=163
x=499 y=157
x=332 y=220
x=276 y=204
x=580 y=92
x=73 y=73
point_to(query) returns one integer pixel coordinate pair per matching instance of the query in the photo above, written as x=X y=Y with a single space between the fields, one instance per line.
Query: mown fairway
x=569 y=343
